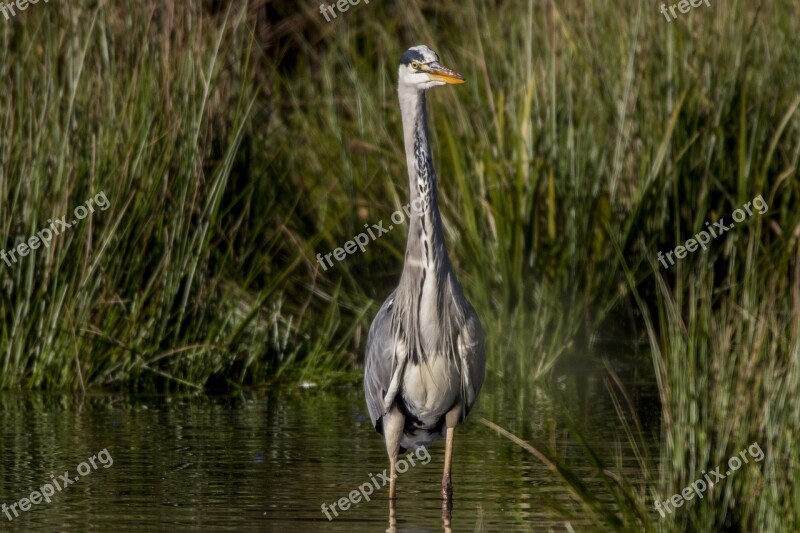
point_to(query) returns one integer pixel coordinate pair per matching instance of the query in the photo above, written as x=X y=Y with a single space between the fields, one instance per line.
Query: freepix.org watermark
x=361 y=240
x=365 y=490
x=45 y=236
x=8 y=10
x=699 y=486
x=703 y=238
x=684 y=6
x=48 y=490
x=341 y=5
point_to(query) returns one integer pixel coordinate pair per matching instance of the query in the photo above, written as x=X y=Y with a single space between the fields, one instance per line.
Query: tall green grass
x=234 y=146
x=151 y=106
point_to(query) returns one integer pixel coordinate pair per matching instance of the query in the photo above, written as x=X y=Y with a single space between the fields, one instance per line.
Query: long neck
x=426 y=247
x=425 y=314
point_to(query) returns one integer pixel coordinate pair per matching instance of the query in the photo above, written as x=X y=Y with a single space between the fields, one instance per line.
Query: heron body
x=425 y=355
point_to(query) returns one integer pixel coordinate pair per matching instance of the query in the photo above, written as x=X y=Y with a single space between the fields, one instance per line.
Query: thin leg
x=393 y=423
x=392 y=478
x=451 y=419
x=447 y=508
x=447 y=485
x=392 y=516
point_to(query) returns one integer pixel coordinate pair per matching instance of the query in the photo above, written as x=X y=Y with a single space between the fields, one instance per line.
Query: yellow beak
x=438 y=72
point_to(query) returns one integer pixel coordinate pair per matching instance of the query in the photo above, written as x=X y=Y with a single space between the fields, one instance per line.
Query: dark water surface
x=269 y=462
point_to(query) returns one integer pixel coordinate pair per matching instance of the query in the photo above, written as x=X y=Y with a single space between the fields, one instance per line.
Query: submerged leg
x=392 y=517
x=393 y=423
x=447 y=508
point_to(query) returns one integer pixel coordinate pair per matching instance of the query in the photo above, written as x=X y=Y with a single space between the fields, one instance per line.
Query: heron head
x=420 y=69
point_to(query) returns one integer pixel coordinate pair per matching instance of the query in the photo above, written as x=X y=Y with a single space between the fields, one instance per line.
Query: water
x=268 y=462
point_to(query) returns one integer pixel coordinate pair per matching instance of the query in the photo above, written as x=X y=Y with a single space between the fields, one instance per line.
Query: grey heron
x=425 y=358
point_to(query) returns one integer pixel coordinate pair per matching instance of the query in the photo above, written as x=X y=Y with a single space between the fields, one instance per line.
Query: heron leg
x=451 y=419
x=392 y=480
x=392 y=517
x=393 y=423
x=447 y=484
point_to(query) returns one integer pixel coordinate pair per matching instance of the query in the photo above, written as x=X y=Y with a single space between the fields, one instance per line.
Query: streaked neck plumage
x=428 y=285
x=426 y=244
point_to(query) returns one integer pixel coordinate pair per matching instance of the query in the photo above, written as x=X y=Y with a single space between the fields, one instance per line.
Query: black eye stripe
x=411 y=55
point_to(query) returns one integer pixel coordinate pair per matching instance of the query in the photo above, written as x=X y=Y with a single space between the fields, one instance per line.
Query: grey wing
x=472 y=348
x=379 y=363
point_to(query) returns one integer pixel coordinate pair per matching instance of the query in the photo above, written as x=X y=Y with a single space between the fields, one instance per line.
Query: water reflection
x=447 y=510
x=269 y=462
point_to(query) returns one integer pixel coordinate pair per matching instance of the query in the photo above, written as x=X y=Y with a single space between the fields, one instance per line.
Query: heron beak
x=438 y=72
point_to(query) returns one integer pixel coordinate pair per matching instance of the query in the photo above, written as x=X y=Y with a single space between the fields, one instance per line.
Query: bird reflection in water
x=447 y=508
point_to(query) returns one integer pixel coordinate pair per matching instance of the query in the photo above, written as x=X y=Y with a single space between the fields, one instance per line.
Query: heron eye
x=415 y=65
